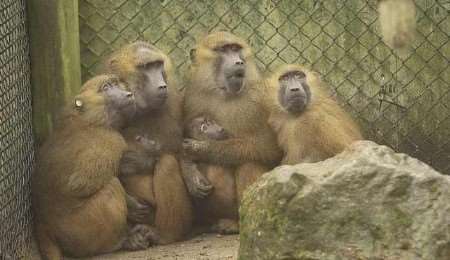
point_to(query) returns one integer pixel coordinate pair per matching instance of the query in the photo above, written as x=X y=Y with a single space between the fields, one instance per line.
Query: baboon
x=225 y=86
x=219 y=210
x=398 y=22
x=310 y=125
x=148 y=73
x=203 y=128
x=79 y=204
x=140 y=156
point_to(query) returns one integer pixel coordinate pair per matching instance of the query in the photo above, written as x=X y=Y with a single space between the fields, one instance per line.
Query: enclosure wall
x=16 y=140
x=55 y=60
x=400 y=99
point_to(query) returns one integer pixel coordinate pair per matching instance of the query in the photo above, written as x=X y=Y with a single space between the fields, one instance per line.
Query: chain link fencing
x=16 y=139
x=400 y=99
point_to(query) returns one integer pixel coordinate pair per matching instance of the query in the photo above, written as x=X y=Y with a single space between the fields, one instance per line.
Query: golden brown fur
x=164 y=188
x=78 y=201
x=321 y=131
x=221 y=203
x=252 y=141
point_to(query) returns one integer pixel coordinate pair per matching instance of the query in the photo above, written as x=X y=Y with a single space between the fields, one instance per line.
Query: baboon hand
x=198 y=185
x=139 y=211
x=193 y=147
x=149 y=145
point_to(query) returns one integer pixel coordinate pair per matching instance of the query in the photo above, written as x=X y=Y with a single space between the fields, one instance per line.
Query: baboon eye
x=220 y=49
x=300 y=75
x=283 y=78
x=107 y=86
x=235 y=47
x=144 y=66
x=147 y=65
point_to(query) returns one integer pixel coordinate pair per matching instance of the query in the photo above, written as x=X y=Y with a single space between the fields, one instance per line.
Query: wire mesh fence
x=16 y=142
x=400 y=99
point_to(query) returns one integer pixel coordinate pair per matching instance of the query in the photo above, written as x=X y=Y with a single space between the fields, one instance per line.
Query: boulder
x=367 y=203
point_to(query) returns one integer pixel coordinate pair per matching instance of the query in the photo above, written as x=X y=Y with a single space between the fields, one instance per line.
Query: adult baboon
x=79 y=204
x=147 y=71
x=310 y=125
x=224 y=85
x=219 y=210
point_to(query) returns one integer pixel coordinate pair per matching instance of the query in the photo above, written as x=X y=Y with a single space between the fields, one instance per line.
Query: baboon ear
x=192 y=54
x=112 y=63
x=78 y=103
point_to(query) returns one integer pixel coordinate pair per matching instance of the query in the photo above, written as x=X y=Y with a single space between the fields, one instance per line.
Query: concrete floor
x=202 y=247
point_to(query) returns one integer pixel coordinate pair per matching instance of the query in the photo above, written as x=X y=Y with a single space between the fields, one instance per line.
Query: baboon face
x=143 y=67
x=120 y=103
x=203 y=128
x=230 y=68
x=108 y=96
x=294 y=94
x=152 y=92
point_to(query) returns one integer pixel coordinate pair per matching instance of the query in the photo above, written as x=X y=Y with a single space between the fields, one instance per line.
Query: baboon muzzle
x=235 y=78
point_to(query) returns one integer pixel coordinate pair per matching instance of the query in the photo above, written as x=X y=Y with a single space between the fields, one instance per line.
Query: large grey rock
x=367 y=203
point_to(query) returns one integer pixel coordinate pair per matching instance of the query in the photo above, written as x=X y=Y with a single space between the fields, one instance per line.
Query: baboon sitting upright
x=147 y=71
x=79 y=204
x=225 y=86
x=219 y=210
x=309 y=124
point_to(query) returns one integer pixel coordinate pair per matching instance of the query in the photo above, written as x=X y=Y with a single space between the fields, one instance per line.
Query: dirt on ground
x=202 y=247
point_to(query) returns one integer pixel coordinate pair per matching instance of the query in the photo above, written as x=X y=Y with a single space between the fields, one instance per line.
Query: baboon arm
x=260 y=147
x=96 y=168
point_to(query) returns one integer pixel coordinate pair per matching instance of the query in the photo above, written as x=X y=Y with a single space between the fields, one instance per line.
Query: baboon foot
x=140 y=237
x=226 y=227
x=139 y=211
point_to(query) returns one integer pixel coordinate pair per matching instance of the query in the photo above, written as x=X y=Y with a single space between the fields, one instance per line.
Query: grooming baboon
x=148 y=73
x=224 y=85
x=398 y=22
x=79 y=204
x=219 y=210
x=310 y=125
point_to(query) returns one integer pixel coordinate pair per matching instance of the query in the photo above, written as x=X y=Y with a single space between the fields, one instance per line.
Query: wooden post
x=55 y=59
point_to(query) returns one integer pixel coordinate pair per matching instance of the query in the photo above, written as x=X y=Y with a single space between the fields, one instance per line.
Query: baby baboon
x=203 y=128
x=140 y=157
x=147 y=71
x=219 y=210
x=79 y=204
x=309 y=124
x=225 y=86
x=398 y=22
